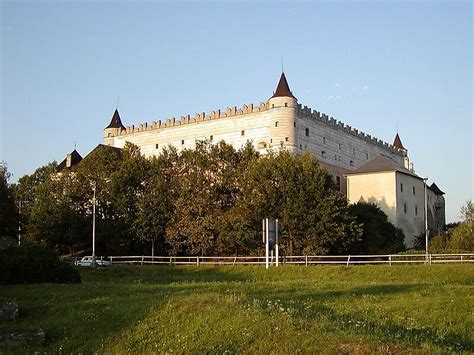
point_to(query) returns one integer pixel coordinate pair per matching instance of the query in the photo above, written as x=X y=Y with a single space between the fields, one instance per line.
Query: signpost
x=270 y=239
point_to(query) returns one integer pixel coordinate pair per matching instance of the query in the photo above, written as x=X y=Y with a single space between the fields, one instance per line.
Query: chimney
x=68 y=160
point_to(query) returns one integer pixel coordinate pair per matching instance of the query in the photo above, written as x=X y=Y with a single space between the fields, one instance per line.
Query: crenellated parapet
x=307 y=112
x=230 y=112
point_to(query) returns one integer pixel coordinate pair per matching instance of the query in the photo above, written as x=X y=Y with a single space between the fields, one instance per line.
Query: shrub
x=34 y=264
x=379 y=236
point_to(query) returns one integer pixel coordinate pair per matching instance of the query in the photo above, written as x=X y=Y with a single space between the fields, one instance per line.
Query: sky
x=378 y=66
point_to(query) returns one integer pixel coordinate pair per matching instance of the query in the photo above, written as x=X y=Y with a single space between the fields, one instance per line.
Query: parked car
x=87 y=261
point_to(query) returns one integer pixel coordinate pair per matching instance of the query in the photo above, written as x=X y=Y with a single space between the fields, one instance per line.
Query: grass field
x=363 y=309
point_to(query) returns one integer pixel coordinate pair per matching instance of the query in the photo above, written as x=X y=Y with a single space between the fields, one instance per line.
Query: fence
x=293 y=260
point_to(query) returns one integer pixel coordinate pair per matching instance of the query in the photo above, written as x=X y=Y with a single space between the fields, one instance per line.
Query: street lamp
x=94 y=203
x=94 y=187
x=426 y=216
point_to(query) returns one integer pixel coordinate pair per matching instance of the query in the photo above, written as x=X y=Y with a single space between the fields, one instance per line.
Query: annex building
x=364 y=167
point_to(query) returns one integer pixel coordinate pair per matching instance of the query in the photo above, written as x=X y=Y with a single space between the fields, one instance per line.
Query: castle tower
x=397 y=142
x=282 y=107
x=114 y=128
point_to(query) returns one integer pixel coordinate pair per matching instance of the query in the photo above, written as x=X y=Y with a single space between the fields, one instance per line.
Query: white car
x=87 y=261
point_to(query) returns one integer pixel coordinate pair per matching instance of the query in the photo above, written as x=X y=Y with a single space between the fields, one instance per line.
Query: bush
x=34 y=264
x=379 y=236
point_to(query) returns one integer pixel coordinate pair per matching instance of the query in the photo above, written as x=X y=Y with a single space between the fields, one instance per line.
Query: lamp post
x=93 y=263
x=426 y=216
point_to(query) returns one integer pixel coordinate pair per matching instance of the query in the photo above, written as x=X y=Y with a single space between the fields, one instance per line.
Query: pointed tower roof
x=398 y=143
x=116 y=122
x=283 y=89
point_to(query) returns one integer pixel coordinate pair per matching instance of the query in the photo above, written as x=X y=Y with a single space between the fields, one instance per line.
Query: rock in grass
x=23 y=338
x=8 y=311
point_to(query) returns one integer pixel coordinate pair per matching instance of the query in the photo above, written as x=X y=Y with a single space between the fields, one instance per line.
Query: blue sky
x=374 y=65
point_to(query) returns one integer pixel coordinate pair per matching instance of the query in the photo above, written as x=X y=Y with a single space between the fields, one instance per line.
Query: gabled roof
x=283 y=89
x=382 y=163
x=116 y=122
x=398 y=143
x=75 y=159
x=117 y=151
x=436 y=189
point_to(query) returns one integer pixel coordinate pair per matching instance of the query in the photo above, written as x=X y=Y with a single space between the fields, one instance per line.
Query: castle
x=282 y=123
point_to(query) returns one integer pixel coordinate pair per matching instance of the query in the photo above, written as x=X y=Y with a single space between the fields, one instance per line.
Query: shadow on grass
x=386 y=331
x=163 y=274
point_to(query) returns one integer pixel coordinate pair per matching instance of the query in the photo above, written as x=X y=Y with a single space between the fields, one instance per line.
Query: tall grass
x=404 y=308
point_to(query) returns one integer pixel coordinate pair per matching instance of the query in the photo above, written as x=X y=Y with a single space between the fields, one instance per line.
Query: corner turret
x=282 y=116
x=114 y=128
x=397 y=143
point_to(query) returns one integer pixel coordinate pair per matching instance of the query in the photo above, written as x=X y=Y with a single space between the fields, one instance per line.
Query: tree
x=8 y=214
x=314 y=217
x=462 y=236
x=206 y=188
x=379 y=235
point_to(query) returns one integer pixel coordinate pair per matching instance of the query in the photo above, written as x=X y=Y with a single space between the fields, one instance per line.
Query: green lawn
x=364 y=309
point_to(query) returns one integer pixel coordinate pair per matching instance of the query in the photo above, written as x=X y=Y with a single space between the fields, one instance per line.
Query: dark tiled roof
x=436 y=189
x=381 y=163
x=116 y=122
x=283 y=89
x=118 y=151
x=398 y=143
x=75 y=159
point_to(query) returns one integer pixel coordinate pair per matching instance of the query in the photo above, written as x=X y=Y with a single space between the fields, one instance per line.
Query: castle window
x=416 y=210
x=109 y=135
x=273 y=105
x=339 y=144
x=367 y=156
x=306 y=132
x=401 y=187
x=182 y=141
x=301 y=146
x=242 y=133
x=338 y=183
x=286 y=104
x=353 y=151
x=211 y=138
x=323 y=154
x=413 y=190
x=271 y=140
x=405 y=208
x=324 y=140
x=276 y=124
x=351 y=163
x=294 y=124
x=286 y=139
x=339 y=158
x=156 y=146
x=335 y=156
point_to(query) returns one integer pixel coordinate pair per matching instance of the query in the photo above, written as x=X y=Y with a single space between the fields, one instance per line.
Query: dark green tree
x=8 y=211
x=313 y=216
x=379 y=235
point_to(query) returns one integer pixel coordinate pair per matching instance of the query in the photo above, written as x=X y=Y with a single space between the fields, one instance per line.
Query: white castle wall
x=235 y=126
x=337 y=144
x=279 y=122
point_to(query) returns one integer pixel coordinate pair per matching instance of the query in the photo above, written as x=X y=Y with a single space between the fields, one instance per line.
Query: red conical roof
x=283 y=88
x=116 y=122
x=398 y=143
